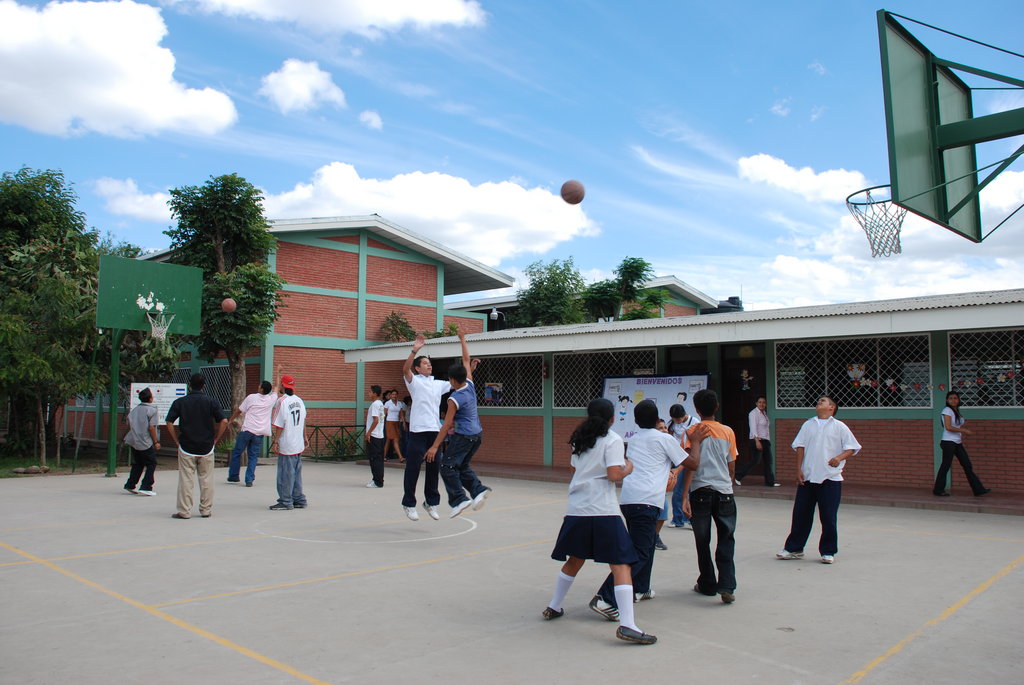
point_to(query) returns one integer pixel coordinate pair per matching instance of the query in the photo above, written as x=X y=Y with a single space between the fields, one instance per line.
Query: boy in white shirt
x=289 y=443
x=424 y=424
x=375 y=438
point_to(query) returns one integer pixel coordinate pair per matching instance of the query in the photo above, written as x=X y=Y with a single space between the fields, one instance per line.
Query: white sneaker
x=480 y=500
x=789 y=555
x=737 y=481
x=432 y=511
x=776 y=485
x=411 y=513
x=460 y=507
x=827 y=559
x=371 y=484
x=641 y=596
x=147 y=493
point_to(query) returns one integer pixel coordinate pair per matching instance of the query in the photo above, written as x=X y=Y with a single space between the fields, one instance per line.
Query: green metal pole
x=115 y=376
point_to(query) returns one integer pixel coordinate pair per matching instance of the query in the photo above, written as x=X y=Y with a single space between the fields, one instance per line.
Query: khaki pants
x=188 y=467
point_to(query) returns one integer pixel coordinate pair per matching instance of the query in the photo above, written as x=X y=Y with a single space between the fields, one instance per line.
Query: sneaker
x=480 y=500
x=232 y=480
x=432 y=511
x=673 y=524
x=983 y=492
x=132 y=491
x=727 y=597
x=696 y=588
x=411 y=513
x=737 y=481
x=828 y=559
x=179 y=515
x=784 y=554
x=550 y=614
x=304 y=505
x=637 y=636
x=602 y=607
x=776 y=485
x=658 y=544
x=279 y=507
x=147 y=493
x=371 y=484
x=460 y=507
x=641 y=596
x=248 y=483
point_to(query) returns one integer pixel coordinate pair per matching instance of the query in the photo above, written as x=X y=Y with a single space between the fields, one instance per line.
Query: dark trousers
x=375 y=452
x=456 y=473
x=142 y=460
x=826 y=496
x=756 y=457
x=952 y=449
x=640 y=522
x=417 y=446
x=707 y=505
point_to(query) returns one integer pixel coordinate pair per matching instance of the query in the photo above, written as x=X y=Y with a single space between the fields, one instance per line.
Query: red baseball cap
x=288 y=382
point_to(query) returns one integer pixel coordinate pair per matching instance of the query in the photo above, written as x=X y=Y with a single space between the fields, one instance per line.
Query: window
x=510 y=381
x=985 y=367
x=579 y=377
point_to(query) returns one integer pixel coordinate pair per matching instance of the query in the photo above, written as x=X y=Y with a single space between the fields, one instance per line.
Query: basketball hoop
x=880 y=219
x=159 y=322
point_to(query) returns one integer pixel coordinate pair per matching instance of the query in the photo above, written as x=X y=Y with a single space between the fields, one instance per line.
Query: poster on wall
x=626 y=391
x=163 y=395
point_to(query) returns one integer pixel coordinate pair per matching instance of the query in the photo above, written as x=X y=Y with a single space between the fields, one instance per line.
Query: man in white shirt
x=289 y=444
x=822 y=447
x=257 y=409
x=375 y=438
x=424 y=424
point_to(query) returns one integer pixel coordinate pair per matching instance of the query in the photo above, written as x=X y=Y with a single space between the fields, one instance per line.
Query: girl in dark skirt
x=593 y=527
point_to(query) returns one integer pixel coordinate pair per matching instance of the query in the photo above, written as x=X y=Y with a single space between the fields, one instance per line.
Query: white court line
x=472 y=527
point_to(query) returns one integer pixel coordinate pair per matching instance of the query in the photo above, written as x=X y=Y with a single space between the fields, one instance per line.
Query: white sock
x=562 y=586
x=624 y=598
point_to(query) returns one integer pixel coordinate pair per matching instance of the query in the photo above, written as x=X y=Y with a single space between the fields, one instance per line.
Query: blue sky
x=716 y=140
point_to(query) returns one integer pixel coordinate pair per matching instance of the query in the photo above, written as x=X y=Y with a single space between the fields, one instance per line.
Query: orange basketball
x=228 y=305
x=572 y=192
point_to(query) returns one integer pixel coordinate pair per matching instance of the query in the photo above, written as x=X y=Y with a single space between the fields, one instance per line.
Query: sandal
x=550 y=613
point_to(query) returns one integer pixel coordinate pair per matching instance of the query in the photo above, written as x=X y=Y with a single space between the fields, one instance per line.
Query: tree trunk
x=42 y=428
x=237 y=364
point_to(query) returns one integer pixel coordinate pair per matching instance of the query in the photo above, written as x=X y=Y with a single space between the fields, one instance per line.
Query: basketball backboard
x=122 y=281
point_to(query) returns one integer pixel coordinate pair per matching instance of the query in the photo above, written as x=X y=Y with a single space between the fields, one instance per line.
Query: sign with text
x=163 y=395
x=626 y=391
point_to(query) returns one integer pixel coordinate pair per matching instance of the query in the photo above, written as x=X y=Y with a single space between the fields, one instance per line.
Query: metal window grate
x=510 y=381
x=893 y=371
x=578 y=377
x=985 y=367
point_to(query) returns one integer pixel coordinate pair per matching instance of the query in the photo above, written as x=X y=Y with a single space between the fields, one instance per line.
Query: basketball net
x=880 y=219
x=159 y=322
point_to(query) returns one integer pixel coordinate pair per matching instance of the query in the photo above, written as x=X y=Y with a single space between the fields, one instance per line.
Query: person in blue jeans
x=456 y=472
x=257 y=409
x=678 y=424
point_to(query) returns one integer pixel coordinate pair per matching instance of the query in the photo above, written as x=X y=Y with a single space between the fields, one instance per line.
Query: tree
x=221 y=229
x=552 y=298
x=624 y=296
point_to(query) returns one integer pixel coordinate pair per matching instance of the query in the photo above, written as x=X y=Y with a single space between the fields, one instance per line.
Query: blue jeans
x=706 y=505
x=640 y=522
x=678 y=517
x=415 y=449
x=456 y=473
x=825 y=496
x=289 y=480
x=251 y=443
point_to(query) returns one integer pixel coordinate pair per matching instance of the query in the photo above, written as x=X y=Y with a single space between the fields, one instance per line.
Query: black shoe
x=983 y=492
x=279 y=507
x=636 y=636
x=232 y=480
x=301 y=506
x=941 y=494
x=696 y=588
x=658 y=544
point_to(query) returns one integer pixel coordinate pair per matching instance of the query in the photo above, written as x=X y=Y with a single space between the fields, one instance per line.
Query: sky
x=718 y=141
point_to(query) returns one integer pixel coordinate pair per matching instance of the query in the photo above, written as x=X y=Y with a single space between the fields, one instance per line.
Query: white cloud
x=1005 y=193
x=818 y=112
x=490 y=222
x=818 y=68
x=301 y=86
x=828 y=186
x=76 y=67
x=365 y=17
x=123 y=197
x=781 y=107
x=371 y=119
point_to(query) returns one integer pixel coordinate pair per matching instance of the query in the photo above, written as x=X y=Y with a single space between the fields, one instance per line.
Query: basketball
x=572 y=192
x=228 y=305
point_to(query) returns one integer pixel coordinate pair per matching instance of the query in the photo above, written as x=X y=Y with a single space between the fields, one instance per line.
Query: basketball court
x=102 y=586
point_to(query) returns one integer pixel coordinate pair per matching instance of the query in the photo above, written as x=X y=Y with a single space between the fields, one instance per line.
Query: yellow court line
x=949 y=611
x=351 y=574
x=273 y=663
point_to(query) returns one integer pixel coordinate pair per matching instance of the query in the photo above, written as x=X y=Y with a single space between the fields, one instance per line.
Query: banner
x=163 y=395
x=626 y=392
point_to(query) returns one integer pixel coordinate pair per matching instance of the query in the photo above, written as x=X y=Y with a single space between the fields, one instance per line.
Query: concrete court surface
x=100 y=586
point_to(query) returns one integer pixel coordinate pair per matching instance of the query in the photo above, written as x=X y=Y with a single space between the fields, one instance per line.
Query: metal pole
x=115 y=377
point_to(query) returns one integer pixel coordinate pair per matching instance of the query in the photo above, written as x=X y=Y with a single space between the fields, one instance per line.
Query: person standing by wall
x=375 y=438
x=952 y=446
x=289 y=444
x=144 y=439
x=394 y=418
x=760 y=444
x=201 y=424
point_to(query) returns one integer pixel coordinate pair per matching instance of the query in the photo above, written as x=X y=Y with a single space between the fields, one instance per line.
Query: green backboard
x=122 y=281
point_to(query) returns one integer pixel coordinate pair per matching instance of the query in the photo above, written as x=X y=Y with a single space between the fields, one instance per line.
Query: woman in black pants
x=952 y=446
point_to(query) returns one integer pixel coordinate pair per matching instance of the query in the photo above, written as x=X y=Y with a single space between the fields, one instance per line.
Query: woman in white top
x=952 y=446
x=592 y=527
x=393 y=420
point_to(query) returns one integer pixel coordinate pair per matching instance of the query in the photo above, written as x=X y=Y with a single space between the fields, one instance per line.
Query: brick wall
x=317 y=267
x=320 y=375
x=318 y=315
x=370 y=242
x=347 y=239
x=901 y=453
x=400 y=278
x=466 y=325
x=563 y=428
x=679 y=310
x=512 y=440
x=420 y=318
x=387 y=375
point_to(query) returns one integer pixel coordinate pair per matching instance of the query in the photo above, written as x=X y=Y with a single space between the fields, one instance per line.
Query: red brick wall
x=400 y=278
x=370 y=242
x=385 y=374
x=317 y=267
x=347 y=239
x=563 y=428
x=318 y=315
x=512 y=440
x=320 y=375
x=901 y=453
x=465 y=324
x=420 y=318
x=679 y=310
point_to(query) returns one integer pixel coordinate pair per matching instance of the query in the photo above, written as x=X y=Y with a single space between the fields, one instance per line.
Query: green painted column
x=115 y=375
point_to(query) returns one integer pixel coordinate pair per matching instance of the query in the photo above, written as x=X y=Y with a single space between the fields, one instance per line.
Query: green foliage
x=624 y=297
x=647 y=305
x=396 y=328
x=601 y=299
x=255 y=290
x=109 y=245
x=552 y=298
x=448 y=330
x=631 y=274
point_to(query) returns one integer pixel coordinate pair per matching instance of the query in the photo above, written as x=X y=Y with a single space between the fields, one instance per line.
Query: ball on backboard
x=228 y=305
x=572 y=192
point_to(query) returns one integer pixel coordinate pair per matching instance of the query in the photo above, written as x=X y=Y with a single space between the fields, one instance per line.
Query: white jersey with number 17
x=291 y=418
